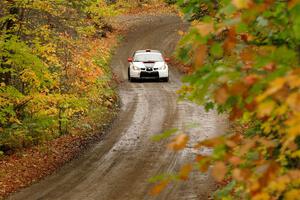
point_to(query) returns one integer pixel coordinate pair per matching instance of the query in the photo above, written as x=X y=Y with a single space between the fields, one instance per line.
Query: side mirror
x=130 y=59
x=167 y=59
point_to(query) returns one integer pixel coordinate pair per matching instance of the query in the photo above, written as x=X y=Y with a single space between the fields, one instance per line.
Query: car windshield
x=148 y=57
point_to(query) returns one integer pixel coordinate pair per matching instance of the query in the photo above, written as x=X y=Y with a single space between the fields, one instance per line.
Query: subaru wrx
x=148 y=64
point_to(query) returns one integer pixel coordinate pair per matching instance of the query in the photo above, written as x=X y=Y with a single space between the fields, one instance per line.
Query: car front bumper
x=142 y=74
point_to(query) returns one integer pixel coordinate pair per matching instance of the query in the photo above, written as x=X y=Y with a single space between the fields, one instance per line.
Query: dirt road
x=120 y=165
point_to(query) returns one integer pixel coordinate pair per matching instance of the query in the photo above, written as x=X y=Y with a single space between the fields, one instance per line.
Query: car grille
x=151 y=74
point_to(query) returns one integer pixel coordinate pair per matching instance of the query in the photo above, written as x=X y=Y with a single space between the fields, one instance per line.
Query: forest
x=54 y=72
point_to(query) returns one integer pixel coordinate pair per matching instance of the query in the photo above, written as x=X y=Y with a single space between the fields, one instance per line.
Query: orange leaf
x=247 y=55
x=237 y=174
x=159 y=187
x=204 y=166
x=236 y=138
x=230 y=143
x=292 y=3
x=179 y=142
x=251 y=106
x=219 y=171
x=234 y=160
x=267 y=143
x=238 y=88
x=270 y=67
x=185 y=171
x=249 y=143
x=200 y=55
x=230 y=41
x=221 y=95
x=200 y=157
x=251 y=79
x=235 y=113
x=210 y=142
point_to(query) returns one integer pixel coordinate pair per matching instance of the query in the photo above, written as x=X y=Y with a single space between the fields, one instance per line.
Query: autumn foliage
x=245 y=58
x=54 y=73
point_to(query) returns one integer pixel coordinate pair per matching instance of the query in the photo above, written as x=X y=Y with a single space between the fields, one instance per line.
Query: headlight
x=163 y=67
x=135 y=68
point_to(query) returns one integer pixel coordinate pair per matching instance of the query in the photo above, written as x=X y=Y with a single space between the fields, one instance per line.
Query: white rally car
x=148 y=64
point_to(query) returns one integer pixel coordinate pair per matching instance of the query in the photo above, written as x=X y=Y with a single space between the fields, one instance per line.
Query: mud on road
x=120 y=165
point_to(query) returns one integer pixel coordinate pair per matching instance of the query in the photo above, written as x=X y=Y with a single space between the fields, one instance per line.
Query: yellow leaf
x=276 y=85
x=294 y=131
x=262 y=196
x=293 y=194
x=241 y=4
x=219 y=171
x=293 y=81
x=294 y=102
x=180 y=33
x=279 y=184
x=265 y=109
x=281 y=110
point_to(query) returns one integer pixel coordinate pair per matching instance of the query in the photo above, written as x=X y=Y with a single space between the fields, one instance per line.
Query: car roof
x=147 y=51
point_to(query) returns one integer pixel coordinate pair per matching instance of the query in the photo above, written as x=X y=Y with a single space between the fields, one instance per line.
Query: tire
x=165 y=79
x=129 y=78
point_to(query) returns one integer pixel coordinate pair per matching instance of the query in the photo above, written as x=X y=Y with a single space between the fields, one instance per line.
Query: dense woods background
x=54 y=72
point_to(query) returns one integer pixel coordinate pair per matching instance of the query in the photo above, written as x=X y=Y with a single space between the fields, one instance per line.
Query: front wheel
x=129 y=78
x=165 y=79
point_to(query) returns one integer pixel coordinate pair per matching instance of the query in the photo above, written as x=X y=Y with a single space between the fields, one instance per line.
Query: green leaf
x=164 y=135
x=216 y=50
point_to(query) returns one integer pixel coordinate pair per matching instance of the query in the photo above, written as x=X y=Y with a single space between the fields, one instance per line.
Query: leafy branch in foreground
x=245 y=58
